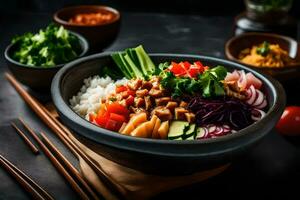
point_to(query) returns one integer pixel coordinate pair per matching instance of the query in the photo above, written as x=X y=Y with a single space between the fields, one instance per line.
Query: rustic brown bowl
x=99 y=36
x=238 y=43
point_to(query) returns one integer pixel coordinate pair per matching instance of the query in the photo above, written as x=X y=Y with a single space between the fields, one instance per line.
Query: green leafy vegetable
x=134 y=63
x=264 y=49
x=207 y=83
x=49 y=47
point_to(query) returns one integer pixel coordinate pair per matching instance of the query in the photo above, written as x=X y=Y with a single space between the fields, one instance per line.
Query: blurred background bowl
x=236 y=44
x=36 y=77
x=99 y=36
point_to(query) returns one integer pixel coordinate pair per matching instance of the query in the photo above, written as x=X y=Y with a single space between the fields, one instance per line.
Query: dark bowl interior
x=37 y=78
x=99 y=36
x=238 y=43
x=162 y=157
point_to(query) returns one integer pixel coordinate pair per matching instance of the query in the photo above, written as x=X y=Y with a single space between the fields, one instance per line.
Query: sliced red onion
x=257 y=114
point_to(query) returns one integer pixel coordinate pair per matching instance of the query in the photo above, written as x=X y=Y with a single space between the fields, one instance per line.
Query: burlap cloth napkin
x=137 y=185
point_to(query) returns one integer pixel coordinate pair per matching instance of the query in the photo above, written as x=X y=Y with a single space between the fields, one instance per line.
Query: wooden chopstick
x=33 y=148
x=48 y=120
x=36 y=191
x=69 y=166
x=56 y=163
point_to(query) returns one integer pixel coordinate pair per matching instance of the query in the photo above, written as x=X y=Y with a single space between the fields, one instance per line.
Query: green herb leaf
x=264 y=49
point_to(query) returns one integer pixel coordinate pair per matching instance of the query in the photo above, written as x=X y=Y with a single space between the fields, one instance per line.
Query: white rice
x=88 y=99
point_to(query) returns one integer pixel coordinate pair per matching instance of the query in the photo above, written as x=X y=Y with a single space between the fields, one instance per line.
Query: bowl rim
x=64 y=109
x=57 y=19
x=83 y=43
x=290 y=40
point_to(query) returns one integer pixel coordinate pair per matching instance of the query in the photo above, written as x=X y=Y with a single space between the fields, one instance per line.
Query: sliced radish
x=219 y=131
x=206 y=132
x=259 y=99
x=262 y=105
x=253 y=95
x=242 y=82
x=226 y=126
x=252 y=80
x=212 y=128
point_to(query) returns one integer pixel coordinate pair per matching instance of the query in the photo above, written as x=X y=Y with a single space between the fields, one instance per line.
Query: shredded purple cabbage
x=224 y=110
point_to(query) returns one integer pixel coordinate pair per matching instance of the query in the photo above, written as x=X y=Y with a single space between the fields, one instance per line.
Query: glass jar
x=268 y=11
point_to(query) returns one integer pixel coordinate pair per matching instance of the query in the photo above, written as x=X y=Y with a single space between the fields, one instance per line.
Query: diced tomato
x=117 y=117
x=198 y=64
x=117 y=108
x=177 y=69
x=101 y=120
x=186 y=65
x=206 y=68
x=194 y=71
x=130 y=100
x=113 y=125
x=121 y=88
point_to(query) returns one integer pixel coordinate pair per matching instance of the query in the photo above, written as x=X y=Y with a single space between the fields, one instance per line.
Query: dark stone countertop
x=268 y=170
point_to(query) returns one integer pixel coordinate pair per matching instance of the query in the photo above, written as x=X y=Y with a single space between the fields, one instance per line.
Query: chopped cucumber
x=190 y=131
x=190 y=138
x=136 y=71
x=200 y=132
x=177 y=129
x=134 y=63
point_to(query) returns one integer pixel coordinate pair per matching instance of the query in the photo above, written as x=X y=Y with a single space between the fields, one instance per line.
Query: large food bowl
x=163 y=157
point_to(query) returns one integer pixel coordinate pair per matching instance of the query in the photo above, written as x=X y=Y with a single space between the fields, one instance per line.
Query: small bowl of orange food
x=273 y=54
x=98 y=24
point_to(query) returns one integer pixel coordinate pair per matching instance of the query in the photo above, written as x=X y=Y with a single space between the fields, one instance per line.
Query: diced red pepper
x=101 y=120
x=117 y=117
x=92 y=117
x=130 y=100
x=113 y=125
x=117 y=108
x=121 y=88
x=131 y=92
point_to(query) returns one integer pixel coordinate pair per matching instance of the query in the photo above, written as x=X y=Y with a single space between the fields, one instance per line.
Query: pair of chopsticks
x=36 y=191
x=60 y=163
x=113 y=190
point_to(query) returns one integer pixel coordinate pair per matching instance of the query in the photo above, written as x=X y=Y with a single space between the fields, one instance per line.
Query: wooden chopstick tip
x=32 y=147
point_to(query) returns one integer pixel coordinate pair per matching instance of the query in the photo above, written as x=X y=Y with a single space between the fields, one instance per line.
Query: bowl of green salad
x=34 y=58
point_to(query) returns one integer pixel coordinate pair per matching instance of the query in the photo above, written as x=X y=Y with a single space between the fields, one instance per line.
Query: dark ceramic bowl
x=37 y=78
x=99 y=36
x=163 y=157
x=238 y=43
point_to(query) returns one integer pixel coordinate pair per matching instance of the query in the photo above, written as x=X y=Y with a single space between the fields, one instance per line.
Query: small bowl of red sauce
x=100 y=25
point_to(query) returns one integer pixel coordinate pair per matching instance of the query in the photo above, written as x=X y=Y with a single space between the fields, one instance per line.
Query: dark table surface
x=271 y=169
